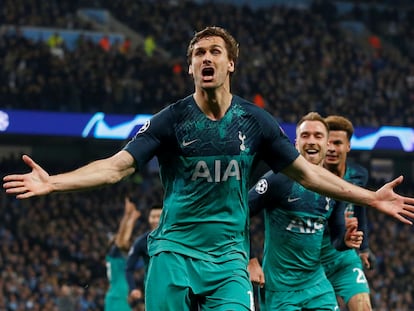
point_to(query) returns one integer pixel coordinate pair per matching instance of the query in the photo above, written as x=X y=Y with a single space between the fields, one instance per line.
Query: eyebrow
x=209 y=47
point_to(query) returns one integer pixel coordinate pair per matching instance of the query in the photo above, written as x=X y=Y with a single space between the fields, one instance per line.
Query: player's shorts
x=347 y=277
x=178 y=282
x=117 y=304
x=318 y=297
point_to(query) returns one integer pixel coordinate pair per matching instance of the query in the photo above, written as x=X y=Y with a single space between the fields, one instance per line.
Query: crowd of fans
x=52 y=249
x=295 y=60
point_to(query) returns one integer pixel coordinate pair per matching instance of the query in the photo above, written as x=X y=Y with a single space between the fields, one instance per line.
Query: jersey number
x=361 y=276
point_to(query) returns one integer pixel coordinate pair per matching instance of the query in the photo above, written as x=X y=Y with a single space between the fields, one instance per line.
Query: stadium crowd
x=293 y=60
x=52 y=249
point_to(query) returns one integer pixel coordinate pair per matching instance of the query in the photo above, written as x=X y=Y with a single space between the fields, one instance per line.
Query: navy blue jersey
x=358 y=175
x=205 y=166
x=139 y=250
x=295 y=219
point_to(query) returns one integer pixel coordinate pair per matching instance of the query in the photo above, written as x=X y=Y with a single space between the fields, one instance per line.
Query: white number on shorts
x=250 y=293
x=361 y=276
x=108 y=270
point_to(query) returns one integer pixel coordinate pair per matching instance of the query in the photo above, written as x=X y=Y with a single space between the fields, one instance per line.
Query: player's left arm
x=385 y=200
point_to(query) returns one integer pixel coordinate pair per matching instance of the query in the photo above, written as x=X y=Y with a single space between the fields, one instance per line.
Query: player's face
x=312 y=141
x=338 y=148
x=154 y=218
x=210 y=65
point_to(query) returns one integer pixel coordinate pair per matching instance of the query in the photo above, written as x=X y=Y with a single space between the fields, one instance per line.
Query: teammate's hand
x=256 y=272
x=368 y=259
x=131 y=209
x=135 y=294
x=353 y=237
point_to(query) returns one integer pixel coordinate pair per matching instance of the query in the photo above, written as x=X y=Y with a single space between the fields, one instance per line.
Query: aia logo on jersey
x=214 y=172
x=261 y=186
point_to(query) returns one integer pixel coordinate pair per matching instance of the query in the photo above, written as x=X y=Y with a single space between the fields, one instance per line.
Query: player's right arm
x=98 y=173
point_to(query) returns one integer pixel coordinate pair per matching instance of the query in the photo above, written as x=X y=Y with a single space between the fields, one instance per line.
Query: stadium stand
x=319 y=65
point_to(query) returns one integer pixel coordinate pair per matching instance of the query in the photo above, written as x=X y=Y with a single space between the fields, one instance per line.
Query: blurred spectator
x=55 y=41
x=67 y=298
x=149 y=46
x=56 y=45
x=105 y=43
x=125 y=47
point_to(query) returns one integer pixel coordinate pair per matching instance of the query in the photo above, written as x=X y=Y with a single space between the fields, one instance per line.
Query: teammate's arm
x=126 y=226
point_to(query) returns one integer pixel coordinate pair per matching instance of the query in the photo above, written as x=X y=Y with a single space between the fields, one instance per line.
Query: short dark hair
x=339 y=123
x=232 y=45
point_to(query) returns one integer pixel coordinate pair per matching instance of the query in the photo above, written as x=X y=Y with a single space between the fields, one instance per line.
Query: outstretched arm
x=39 y=182
x=320 y=180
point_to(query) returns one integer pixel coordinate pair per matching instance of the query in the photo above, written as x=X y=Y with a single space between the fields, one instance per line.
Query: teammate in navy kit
x=207 y=145
x=345 y=269
x=139 y=251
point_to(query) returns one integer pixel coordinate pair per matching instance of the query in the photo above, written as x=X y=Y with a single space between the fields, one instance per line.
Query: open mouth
x=312 y=151
x=207 y=72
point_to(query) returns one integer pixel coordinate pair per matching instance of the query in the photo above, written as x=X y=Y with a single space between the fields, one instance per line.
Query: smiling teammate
x=295 y=219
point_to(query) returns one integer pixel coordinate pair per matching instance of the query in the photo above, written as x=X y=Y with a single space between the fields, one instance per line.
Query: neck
x=213 y=103
x=337 y=169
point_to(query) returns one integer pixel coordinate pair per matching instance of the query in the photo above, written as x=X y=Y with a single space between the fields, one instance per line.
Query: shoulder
x=271 y=181
x=356 y=172
x=181 y=107
x=174 y=110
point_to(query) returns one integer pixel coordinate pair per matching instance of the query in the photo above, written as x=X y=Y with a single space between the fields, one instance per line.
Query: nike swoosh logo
x=290 y=200
x=187 y=143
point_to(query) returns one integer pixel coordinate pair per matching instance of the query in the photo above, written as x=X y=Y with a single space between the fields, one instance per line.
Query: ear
x=190 y=70
x=231 y=66
x=348 y=147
